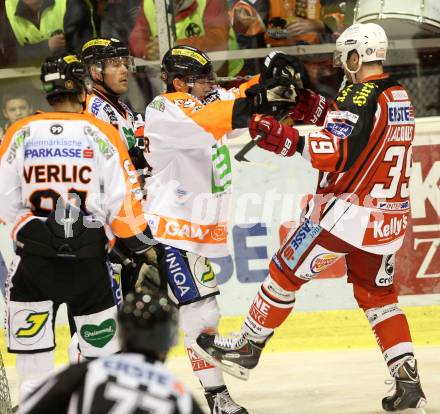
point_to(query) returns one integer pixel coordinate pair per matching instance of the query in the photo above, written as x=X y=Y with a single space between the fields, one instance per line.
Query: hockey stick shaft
x=240 y=156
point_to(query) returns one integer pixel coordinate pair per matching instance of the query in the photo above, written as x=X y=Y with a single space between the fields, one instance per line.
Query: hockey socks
x=391 y=330
x=195 y=318
x=270 y=308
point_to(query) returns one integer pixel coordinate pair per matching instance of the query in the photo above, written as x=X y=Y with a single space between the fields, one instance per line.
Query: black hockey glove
x=272 y=96
x=136 y=152
x=137 y=155
x=279 y=64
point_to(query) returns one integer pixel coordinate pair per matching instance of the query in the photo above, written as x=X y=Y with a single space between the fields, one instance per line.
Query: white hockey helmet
x=368 y=39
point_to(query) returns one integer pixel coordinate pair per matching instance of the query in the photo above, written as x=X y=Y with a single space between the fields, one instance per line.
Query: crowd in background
x=30 y=30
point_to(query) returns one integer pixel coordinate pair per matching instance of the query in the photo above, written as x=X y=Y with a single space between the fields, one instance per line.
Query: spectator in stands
x=247 y=20
x=14 y=107
x=35 y=29
x=118 y=18
x=292 y=22
x=296 y=22
x=203 y=24
x=7 y=51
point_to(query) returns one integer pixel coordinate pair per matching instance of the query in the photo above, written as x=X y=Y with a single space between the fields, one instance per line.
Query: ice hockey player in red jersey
x=360 y=211
x=134 y=381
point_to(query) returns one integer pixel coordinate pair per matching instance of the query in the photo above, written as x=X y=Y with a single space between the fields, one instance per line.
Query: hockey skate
x=408 y=392
x=220 y=402
x=235 y=354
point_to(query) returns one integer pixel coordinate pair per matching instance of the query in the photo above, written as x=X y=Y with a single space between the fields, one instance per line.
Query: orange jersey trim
x=130 y=220
x=215 y=117
x=178 y=229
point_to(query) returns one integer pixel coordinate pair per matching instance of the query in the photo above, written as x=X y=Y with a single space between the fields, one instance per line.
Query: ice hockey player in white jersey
x=69 y=187
x=109 y=63
x=190 y=187
x=133 y=382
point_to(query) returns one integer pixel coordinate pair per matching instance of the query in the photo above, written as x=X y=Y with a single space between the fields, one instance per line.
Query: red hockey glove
x=310 y=107
x=280 y=139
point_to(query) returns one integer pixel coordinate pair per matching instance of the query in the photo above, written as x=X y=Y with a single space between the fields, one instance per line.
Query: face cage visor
x=205 y=78
x=117 y=62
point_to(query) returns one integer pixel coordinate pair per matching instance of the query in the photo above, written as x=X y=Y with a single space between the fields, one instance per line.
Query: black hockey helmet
x=148 y=323
x=97 y=51
x=186 y=62
x=64 y=75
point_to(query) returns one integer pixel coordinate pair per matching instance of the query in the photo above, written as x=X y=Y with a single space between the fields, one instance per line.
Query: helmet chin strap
x=83 y=104
x=102 y=83
x=190 y=87
x=353 y=72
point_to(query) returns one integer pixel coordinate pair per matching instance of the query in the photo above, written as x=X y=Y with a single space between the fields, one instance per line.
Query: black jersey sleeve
x=54 y=395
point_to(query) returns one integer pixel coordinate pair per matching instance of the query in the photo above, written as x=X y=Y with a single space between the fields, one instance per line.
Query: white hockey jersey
x=51 y=155
x=115 y=113
x=189 y=190
x=124 y=383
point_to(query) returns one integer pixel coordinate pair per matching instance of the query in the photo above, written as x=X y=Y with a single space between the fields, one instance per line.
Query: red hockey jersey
x=364 y=156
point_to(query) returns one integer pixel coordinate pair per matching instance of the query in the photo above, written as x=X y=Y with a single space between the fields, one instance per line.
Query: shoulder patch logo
x=400 y=95
x=158 y=104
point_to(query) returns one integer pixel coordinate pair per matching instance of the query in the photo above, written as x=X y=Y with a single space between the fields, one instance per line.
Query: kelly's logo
x=384 y=228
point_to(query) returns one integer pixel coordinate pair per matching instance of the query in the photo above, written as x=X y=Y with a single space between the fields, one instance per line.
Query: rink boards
x=303 y=331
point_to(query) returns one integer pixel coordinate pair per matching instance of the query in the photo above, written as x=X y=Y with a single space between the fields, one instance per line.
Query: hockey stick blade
x=235 y=370
x=240 y=156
